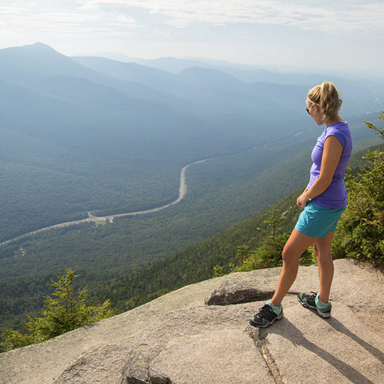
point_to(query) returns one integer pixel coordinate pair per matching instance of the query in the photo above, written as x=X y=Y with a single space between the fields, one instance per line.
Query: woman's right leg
x=293 y=249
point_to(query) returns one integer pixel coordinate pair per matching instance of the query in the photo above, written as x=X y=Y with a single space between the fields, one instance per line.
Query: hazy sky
x=338 y=34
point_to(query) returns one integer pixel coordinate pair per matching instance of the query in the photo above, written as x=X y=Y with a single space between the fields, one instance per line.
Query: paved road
x=182 y=192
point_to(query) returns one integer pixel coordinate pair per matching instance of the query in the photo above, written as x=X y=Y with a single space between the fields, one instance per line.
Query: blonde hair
x=327 y=97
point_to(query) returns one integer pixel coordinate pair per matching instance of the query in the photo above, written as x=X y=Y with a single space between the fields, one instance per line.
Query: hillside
x=194 y=264
x=77 y=140
x=21 y=295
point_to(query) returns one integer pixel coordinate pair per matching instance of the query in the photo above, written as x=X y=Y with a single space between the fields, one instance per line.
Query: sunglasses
x=307 y=109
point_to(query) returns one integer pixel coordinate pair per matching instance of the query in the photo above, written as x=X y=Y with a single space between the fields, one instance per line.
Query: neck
x=336 y=119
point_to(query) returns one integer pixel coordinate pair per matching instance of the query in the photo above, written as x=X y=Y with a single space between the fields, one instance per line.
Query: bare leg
x=325 y=265
x=293 y=249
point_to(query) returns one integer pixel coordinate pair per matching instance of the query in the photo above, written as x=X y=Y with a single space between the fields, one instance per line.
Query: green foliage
x=379 y=131
x=268 y=255
x=360 y=232
x=65 y=312
x=218 y=271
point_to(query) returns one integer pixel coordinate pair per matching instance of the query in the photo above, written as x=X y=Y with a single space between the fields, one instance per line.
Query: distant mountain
x=195 y=77
x=130 y=126
x=143 y=124
x=41 y=59
x=89 y=135
x=208 y=78
x=129 y=71
x=168 y=64
x=126 y=130
x=27 y=65
x=208 y=91
x=277 y=73
x=122 y=139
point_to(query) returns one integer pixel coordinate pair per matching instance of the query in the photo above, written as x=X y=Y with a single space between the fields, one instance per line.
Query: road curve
x=182 y=192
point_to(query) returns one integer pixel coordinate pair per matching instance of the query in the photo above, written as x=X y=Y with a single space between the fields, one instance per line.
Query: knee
x=289 y=259
x=325 y=260
x=323 y=256
x=320 y=254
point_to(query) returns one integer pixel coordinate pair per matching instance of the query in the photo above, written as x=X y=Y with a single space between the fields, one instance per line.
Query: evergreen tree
x=65 y=312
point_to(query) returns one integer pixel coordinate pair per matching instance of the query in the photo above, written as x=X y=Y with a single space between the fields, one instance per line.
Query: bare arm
x=330 y=160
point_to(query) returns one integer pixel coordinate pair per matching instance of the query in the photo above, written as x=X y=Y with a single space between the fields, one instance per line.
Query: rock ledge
x=201 y=334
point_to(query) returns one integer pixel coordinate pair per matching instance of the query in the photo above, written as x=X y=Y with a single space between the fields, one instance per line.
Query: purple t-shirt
x=335 y=196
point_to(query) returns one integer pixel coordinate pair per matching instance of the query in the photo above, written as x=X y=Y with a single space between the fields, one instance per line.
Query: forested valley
x=144 y=281
x=84 y=136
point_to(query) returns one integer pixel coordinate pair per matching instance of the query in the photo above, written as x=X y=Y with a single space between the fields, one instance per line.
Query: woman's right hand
x=302 y=200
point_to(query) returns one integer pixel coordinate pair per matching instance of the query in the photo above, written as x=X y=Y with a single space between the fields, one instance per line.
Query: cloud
x=326 y=16
x=150 y=28
x=123 y=21
x=65 y=19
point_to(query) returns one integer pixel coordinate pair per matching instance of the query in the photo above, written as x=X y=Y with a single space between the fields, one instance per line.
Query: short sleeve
x=340 y=135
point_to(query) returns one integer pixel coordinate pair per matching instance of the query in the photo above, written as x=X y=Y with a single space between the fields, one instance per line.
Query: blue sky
x=311 y=34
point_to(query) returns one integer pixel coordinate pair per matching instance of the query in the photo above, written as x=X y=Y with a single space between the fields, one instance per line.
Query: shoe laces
x=312 y=298
x=265 y=310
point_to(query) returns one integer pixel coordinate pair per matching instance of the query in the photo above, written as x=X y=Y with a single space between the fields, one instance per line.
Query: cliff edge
x=201 y=334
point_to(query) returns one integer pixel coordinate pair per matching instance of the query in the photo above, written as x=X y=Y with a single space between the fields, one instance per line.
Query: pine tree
x=65 y=312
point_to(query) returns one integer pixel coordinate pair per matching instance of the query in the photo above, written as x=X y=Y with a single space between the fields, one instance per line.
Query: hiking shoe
x=265 y=317
x=312 y=302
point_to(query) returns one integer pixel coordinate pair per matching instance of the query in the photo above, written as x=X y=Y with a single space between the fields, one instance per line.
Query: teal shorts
x=317 y=221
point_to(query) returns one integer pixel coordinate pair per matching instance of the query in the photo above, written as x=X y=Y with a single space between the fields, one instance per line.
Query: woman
x=324 y=200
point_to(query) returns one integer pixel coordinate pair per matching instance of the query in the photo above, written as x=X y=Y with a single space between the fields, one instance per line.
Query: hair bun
x=328 y=98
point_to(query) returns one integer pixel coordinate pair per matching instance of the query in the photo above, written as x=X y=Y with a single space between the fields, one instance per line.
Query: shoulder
x=341 y=127
x=341 y=132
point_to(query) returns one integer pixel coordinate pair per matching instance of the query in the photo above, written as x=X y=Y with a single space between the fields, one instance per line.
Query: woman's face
x=314 y=112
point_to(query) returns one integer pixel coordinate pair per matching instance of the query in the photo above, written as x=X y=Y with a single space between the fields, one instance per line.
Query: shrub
x=268 y=255
x=360 y=233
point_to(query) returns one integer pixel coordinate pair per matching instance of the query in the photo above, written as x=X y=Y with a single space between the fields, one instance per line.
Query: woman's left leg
x=325 y=265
